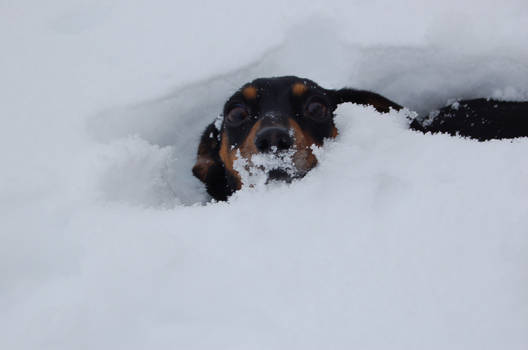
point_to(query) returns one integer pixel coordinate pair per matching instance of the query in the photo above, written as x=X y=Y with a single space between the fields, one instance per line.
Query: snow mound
x=140 y=173
x=396 y=240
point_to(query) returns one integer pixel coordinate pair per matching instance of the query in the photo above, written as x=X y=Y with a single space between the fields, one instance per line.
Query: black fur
x=481 y=119
x=363 y=97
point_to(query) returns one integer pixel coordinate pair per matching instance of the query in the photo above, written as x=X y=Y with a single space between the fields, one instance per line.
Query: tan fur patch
x=204 y=160
x=228 y=157
x=335 y=132
x=250 y=92
x=201 y=167
x=299 y=88
x=304 y=158
x=248 y=148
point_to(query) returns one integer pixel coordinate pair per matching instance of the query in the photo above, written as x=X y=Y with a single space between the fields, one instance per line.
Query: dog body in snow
x=271 y=125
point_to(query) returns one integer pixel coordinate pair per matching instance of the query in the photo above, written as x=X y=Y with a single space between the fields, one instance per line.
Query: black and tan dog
x=291 y=114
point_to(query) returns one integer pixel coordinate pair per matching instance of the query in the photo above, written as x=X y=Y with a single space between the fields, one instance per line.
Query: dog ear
x=209 y=168
x=363 y=97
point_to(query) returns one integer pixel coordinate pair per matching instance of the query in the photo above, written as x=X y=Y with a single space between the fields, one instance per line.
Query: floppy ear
x=364 y=97
x=209 y=168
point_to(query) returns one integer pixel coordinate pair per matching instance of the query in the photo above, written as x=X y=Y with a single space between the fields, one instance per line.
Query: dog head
x=272 y=124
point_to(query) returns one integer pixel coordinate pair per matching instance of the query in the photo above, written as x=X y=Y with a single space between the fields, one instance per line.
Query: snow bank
x=395 y=240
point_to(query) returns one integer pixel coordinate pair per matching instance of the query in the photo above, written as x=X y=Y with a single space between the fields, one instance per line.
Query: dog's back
x=481 y=119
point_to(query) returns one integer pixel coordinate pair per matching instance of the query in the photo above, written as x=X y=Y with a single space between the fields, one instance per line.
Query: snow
x=254 y=171
x=396 y=240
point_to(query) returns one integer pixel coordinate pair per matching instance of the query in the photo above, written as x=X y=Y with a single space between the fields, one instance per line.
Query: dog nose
x=273 y=139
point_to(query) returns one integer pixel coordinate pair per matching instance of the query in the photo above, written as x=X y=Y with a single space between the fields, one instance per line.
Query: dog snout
x=272 y=139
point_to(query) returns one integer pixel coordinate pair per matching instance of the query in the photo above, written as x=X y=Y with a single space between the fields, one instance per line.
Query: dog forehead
x=269 y=91
x=276 y=93
x=281 y=85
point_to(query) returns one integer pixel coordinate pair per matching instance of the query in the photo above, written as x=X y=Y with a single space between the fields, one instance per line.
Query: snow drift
x=396 y=240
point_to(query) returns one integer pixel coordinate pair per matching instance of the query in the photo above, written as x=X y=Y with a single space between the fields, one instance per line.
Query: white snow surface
x=396 y=240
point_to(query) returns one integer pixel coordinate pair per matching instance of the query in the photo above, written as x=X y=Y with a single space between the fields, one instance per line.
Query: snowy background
x=397 y=240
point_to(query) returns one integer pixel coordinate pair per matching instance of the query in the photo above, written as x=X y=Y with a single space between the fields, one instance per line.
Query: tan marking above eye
x=250 y=92
x=299 y=88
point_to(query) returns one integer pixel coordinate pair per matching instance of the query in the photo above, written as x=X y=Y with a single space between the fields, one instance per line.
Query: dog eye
x=316 y=110
x=237 y=115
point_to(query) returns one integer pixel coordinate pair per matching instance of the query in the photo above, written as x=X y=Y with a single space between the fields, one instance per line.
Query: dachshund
x=288 y=115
